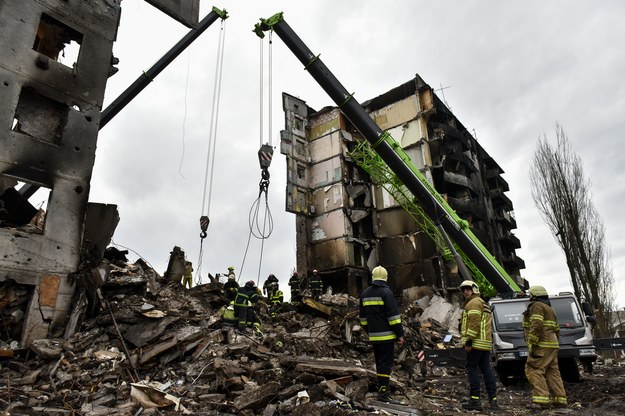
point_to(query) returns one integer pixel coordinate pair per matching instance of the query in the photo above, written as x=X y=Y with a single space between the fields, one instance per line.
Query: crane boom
x=392 y=153
x=145 y=78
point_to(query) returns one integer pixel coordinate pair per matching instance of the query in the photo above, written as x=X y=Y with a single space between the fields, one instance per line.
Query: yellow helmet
x=535 y=291
x=379 y=273
x=471 y=285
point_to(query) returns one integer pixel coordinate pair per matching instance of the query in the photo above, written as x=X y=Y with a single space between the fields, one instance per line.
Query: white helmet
x=379 y=273
x=471 y=285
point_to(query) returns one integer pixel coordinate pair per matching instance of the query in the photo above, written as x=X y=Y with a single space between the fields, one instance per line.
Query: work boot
x=493 y=405
x=539 y=406
x=472 y=404
x=385 y=396
x=559 y=405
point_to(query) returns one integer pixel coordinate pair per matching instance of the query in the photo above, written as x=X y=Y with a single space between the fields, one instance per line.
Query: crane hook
x=204 y=221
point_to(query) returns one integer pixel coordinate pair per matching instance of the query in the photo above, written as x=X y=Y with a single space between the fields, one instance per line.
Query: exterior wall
x=49 y=113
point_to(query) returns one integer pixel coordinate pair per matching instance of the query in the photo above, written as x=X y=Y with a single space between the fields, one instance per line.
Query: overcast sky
x=510 y=70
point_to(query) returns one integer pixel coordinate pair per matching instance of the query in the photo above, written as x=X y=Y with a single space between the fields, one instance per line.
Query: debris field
x=147 y=345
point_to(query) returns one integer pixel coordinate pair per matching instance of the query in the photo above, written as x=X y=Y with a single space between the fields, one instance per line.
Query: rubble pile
x=145 y=345
x=153 y=346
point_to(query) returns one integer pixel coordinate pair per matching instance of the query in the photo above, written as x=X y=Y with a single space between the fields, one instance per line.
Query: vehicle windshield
x=508 y=316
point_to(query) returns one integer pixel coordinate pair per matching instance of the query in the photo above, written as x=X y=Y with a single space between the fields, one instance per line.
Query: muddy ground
x=600 y=393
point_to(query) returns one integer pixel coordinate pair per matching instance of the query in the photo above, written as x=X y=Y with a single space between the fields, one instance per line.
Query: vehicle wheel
x=506 y=379
x=569 y=370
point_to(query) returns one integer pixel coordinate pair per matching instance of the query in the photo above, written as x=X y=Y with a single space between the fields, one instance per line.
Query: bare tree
x=562 y=195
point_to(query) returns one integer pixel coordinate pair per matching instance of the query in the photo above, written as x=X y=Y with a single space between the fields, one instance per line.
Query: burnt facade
x=55 y=59
x=346 y=225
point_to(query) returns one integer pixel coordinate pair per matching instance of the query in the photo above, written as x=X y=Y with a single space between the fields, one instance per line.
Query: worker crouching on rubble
x=541 y=332
x=380 y=319
x=244 y=303
x=477 y=339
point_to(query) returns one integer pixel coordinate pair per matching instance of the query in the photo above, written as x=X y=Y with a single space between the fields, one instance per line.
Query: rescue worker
x=231 y=272
x=541 y=332
x=295 y=286
x=315 y=285
x=477 y=339
x=267 y=285
x=229 y=318
x=244 y=304
x=187 y=277
x=231 y=287
x=380 y=319
x=275 y=300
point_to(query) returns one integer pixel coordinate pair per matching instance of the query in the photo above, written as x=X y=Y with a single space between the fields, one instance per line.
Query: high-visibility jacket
x=276 y=298
x=379 y=315
x=540 y=325
x=477 y=320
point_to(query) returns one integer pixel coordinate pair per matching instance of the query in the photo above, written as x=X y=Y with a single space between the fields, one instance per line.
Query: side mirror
x=587 y=309
x=591 y=319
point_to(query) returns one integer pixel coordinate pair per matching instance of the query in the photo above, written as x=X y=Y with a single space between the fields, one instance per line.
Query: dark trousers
x=240 y=312
x=479 y=362
x=384 y=353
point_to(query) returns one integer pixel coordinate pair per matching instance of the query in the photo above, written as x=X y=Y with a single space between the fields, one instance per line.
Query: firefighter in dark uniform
x=541 y=332
x=267 y=285
x=379 y=317
x=231 y=287
x=244 y=303
x=477 y=338
x=316 y=285
x=295 y=285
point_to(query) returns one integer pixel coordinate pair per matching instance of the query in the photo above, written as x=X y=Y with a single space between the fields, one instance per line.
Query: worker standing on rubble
x=477 y=339
x=295 y=286
x=244 y=303
x=380 y=319
x=187 y=277
x=231 y=287
x=267 y=285
x=541 y=332
x=315 y=284
x=275 y=300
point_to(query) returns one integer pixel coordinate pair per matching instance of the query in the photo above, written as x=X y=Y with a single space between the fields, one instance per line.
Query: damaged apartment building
x=56 y=59
x=346 y=224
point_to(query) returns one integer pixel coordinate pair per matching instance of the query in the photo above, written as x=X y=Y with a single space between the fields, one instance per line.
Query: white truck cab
x=510 y=349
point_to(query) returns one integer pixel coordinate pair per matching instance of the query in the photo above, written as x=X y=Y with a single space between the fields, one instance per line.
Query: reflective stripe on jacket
x=540 y=325
x=276 y=297
x=379 y=315
x=246 y=296
x=477 y=321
